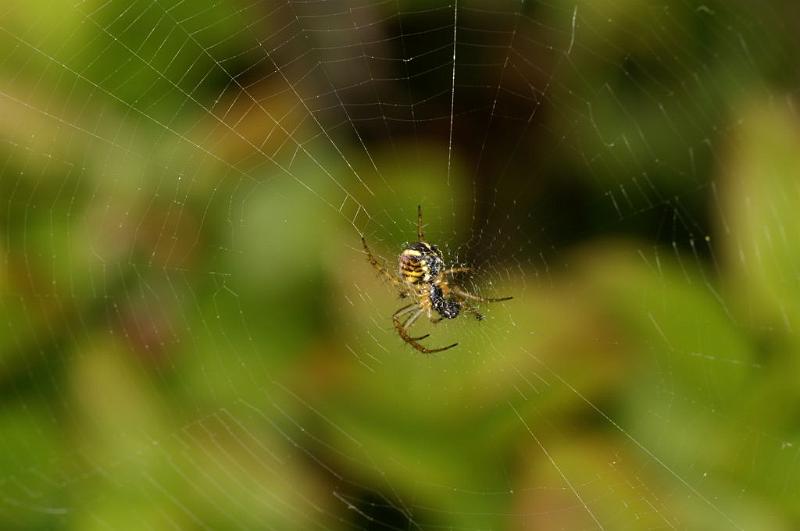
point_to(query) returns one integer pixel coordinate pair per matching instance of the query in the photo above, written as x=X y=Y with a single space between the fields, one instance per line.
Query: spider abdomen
x=419 y=263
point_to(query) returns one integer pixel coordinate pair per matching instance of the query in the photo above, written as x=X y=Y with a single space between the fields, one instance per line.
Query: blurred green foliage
x=194 y=339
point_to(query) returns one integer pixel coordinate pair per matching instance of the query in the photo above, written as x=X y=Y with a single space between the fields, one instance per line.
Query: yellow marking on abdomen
x=411 y=252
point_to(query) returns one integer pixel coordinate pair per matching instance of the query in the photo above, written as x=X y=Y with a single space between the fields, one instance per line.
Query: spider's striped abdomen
x=418 y=263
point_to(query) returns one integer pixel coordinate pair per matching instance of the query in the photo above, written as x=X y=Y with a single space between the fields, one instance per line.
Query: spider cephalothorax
x=423 y=276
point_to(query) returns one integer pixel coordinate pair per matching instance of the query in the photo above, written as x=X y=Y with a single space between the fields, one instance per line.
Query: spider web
x=195 y=339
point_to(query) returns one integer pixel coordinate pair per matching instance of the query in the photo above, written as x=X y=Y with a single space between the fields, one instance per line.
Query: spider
x=423 y=277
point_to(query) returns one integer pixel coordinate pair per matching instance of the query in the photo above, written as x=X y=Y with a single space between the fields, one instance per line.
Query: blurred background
x=192 y=337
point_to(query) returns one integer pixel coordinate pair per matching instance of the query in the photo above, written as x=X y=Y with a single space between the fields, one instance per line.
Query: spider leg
x=410 y=321
x=408 y=308
x=381 y=269
x=458 y=292
x=456 y=270
x=420 y=233
x=402 y=329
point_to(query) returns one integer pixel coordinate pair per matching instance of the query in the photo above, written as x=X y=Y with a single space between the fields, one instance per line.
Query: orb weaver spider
x=423 y=277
